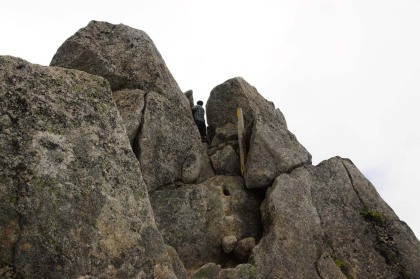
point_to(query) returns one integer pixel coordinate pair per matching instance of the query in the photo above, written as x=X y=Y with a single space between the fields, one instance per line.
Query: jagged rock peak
x=125 y=56
x=156 y=112
x=273 y=149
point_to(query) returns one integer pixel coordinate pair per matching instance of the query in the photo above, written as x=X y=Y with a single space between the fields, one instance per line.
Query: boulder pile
x=104 y=175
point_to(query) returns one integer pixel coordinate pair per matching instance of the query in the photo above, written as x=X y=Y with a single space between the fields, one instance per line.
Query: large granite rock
x=194 y=219
x=166 y=140
x=124 y=56
x=332 y=216
x=72 y=200
x=273 y=149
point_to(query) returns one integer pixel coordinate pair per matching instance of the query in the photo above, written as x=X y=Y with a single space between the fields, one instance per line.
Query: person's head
x=200 y=103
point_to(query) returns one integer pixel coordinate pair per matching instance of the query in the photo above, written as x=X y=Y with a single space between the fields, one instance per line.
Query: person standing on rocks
x=198 y=114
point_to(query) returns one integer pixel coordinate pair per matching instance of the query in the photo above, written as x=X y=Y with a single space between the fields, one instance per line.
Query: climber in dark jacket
x=198 y=114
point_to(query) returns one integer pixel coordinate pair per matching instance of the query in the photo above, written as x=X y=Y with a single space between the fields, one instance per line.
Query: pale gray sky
x=346 y=74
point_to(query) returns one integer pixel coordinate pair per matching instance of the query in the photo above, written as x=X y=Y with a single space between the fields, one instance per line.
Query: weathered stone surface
x=332 y=208
x=130 y=104
x=194 y=218
x=226 y=161
x=225 y=133
x=190 y=96
x=229 y=243
x=168 y=149
x=213 y=271
x=328 y=269
x=177 y=265
x=206 y=167
x=124 y=56
x=242 y=271
x=207 y=271
x=167 y=143
x=273 y=149
x=243 y=249
x=72 y=199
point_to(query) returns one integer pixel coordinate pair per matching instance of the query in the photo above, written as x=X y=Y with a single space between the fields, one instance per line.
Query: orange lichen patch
x=26 y=246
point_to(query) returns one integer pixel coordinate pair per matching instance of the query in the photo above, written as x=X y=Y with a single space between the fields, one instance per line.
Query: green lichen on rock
x=372 y=216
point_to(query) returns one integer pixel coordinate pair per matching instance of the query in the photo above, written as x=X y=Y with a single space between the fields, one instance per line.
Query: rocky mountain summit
x=104 y=175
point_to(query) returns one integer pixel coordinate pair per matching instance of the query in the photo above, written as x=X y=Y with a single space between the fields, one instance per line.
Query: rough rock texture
x=130 y=104
x=195 y=218
x=177 y=265
x=243 y=249
x=168 y=142
x=273 y=149
x=72 y=199
x=242 y=271
x=207 y=271
x=229 y=243
x=213 y=271
x=124 y=56
x=224 y=134
x=331 y=210
x=225 y=161
x=328 y=268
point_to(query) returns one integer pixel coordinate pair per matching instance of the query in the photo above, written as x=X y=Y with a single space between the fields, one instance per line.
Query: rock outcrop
x=273 y=149
x=72 y=198
x=163 y=133
x=103 y=175
x=332 y=216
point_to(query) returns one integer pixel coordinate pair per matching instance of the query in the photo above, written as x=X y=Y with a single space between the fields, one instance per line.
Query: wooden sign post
x=241 y=139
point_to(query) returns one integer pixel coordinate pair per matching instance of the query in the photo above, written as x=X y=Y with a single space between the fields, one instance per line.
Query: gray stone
x=130 y=104
x=206 y=167
x=332 y=208
x=328 y=269
x=242 y=271
x=207 y=271
x=243 y=249
x=273 y=149
x=226 y=161
x=194 y=218
x=223 y=134
x=229 y=243
x=72 y=198
x=189 y=95
x=168 y=142
x=177 y=265
x=168 y=148
x=124 y=56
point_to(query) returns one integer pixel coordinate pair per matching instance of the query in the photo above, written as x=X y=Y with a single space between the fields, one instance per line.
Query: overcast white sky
x=346 y=74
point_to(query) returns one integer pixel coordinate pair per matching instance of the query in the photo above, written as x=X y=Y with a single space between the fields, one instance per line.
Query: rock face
x=194 y=219
x=273 y=149
x=332 y=216
x=164 y=136
x=72 y=198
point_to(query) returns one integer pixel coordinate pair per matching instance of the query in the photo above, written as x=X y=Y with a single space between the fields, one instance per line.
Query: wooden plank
x=241 y=139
